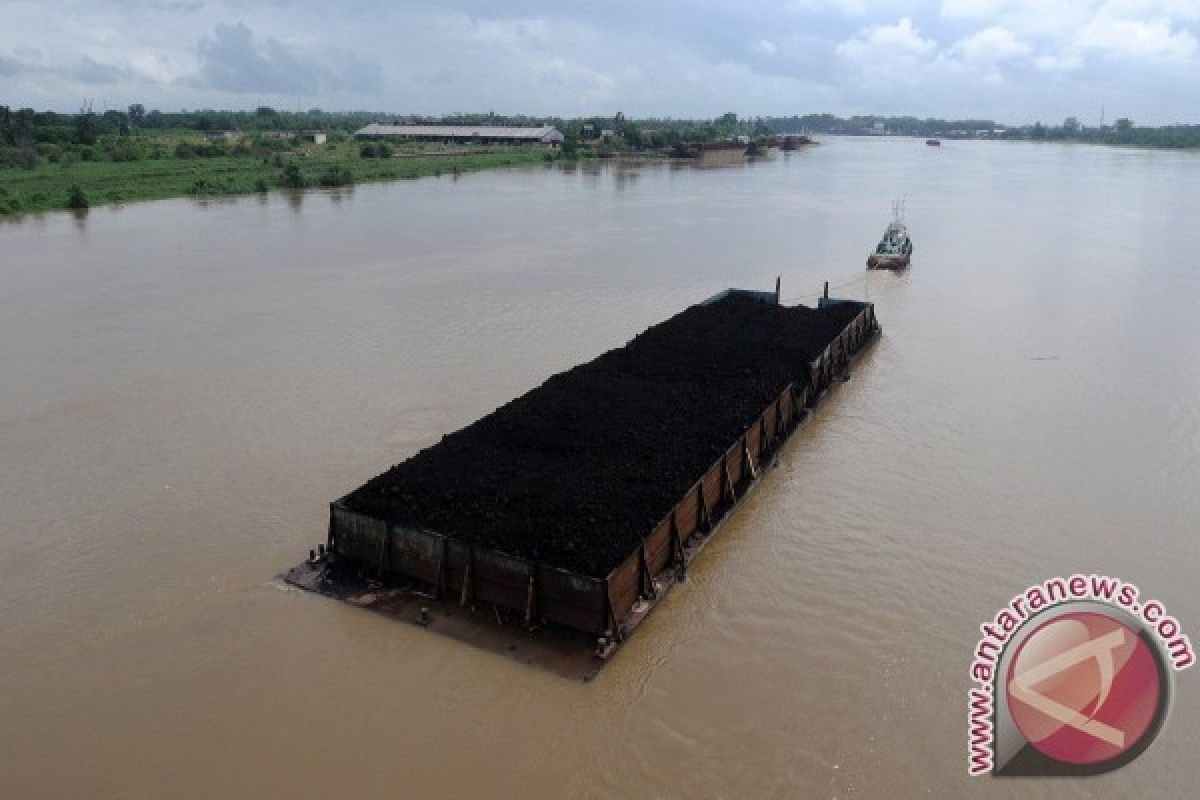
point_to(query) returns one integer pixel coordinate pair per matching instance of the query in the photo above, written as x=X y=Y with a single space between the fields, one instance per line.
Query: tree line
x=1122 y=131
x=28 y=136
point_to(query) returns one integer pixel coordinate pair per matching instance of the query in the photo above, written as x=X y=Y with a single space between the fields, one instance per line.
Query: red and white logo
x=1084 y=688
x=1073 y=677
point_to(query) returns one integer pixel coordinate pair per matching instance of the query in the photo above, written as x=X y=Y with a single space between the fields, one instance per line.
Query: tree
x=86 y=126
x=266 y=117
x=137 y=115
x=570 y=145
x=76 y=199
x=1124 y=125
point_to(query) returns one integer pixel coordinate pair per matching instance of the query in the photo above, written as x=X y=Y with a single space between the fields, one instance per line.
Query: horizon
x=1015 y=62
x=508 y=118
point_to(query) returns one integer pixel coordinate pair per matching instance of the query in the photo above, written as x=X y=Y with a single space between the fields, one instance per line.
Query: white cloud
x=971 y=9
x=991 y=45
x=853 y=8
x=1063 y=62
x=1015 y=60
x=887 y=42
x=1138 y=39
x=765 y=47
x=1164 y=9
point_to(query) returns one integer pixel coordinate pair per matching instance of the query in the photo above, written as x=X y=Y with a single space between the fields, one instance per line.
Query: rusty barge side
x=485 y=596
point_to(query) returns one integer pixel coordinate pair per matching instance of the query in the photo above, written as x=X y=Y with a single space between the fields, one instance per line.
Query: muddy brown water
x=186 y=386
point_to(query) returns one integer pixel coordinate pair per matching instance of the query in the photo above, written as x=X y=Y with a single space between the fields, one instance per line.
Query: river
x=188 y=384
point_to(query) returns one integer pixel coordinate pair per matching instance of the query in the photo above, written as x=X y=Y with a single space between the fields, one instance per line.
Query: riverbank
x=52 y=186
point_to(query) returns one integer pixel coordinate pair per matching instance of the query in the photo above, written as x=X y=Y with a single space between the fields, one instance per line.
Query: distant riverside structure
x=483 y=134
x=316 y=137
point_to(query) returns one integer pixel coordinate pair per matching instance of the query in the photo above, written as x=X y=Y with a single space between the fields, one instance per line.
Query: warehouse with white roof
x=482 y=134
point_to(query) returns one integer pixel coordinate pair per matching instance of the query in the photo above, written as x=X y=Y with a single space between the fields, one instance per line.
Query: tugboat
x=934 y=142
x=895 y=248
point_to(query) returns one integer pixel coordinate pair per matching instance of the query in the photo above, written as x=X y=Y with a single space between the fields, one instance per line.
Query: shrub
x=25 y=157
x=204 y=186
x=260 y=185
x=335 y=176
x=126 y=151
x=367 y=151
x=292 y=177
x=76 y=198
x=184 y=150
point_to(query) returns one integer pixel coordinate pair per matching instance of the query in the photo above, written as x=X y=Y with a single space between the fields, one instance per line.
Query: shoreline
x=49 y=187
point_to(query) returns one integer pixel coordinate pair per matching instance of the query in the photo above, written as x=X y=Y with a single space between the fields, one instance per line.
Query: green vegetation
x=59 y=161
x=76 y=199
x=125 y=156
x=1121 y=132
x=49 y=185
x=53 y=161
x=292 y=177
x=335 y=176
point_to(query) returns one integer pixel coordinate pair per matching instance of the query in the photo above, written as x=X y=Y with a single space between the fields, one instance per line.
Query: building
x=316 y=137
x=223 y=136
x=460 y=134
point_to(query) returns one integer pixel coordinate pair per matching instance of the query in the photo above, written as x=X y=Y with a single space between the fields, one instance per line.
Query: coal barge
x=548 y=529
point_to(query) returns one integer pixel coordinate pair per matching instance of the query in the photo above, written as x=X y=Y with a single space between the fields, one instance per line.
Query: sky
x=1014 y=61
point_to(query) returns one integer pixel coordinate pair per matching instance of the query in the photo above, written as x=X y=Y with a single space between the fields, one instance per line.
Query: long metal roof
x=542 y=134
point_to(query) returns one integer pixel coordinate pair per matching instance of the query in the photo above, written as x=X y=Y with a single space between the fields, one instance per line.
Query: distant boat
x=934 y=142
x=895 y=248
x=793 y=141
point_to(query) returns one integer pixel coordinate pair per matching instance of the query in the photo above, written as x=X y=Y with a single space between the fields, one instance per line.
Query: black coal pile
x=577 y=471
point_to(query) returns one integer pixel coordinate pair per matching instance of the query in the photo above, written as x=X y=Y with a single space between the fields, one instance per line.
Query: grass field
x=48 y=186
